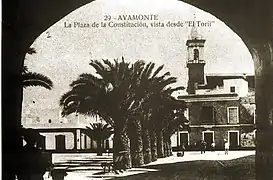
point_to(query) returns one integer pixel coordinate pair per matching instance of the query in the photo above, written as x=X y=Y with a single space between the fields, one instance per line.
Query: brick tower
x=195 y=61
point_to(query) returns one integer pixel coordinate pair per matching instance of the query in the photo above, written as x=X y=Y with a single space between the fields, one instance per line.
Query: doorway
x=233 y=138
x=184 y=138
x=208 y=136
x=60 y=142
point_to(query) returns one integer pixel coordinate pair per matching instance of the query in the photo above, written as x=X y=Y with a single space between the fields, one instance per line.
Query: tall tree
x=108 y=96
x=173 y=118
x=125 y=95
x=161 y=91
x=151 y=88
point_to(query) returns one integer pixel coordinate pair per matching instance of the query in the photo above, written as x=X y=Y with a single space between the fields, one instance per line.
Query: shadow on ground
x=237 y=169
x=82 y=164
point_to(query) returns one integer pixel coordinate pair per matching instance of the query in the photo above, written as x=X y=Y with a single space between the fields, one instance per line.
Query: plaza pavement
x=86 y=166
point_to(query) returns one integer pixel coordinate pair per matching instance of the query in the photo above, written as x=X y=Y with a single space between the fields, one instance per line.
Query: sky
x=63 y=53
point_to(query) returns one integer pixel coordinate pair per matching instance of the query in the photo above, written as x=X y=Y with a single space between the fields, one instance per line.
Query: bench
x=119 y=166
x=107 y=165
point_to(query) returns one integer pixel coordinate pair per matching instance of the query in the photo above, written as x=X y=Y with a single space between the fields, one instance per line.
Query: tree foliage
x=99 y=131
x=124 y=94
x=33 y=78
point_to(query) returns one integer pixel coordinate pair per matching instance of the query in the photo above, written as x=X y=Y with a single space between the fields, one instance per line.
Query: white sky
x=68 y=51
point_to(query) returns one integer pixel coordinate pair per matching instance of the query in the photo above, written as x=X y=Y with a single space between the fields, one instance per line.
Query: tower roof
x=194 y=34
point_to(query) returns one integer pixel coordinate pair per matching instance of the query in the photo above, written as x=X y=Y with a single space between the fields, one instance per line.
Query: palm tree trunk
x=165 y=148
x=99 y=147
x=146 y=145
x=136 y=144
x=169 y=147
x=122 y=143
x=153 y=137
x=160 y=143
x=262 y=54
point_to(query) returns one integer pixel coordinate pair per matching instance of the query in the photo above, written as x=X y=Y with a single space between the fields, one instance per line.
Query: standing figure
x=226 y=147
x=183 y=149
x=203 y=146
x=213 y=146
x=195 y=146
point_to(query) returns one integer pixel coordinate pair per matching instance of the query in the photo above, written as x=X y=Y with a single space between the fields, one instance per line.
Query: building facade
x=221 y=107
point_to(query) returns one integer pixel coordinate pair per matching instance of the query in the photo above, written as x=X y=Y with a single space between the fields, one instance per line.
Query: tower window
x=232 y=89
x=195 y=54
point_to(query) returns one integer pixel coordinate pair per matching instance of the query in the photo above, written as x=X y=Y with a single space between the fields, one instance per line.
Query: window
x=232 y=89
x=195 y=54
x=207 y=114
x=233 y=115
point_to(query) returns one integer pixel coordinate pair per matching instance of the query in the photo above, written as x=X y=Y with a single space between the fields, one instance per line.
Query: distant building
x=61 y=134
x=70 y=137
x=220 y=106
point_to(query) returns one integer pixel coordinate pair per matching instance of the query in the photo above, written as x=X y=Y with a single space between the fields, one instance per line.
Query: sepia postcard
x=125 y=89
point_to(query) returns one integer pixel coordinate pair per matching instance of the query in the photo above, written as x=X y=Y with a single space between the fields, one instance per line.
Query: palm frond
x=36 y=79
x=25 y=69
x=31 y=51
x=157 y=71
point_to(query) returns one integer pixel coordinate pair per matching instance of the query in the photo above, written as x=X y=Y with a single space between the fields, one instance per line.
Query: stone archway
x=23 y=21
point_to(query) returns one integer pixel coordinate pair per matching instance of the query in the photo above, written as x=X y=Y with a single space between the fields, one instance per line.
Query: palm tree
x=164 y=115
x=88 y=96
x=173 y=118
x=150 y=88
x=35 y=79
x=124 y=95
x=99 y=132
x=108 y=96
x=160 y=90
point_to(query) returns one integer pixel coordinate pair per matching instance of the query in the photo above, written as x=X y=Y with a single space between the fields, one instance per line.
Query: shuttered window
x=233 y=116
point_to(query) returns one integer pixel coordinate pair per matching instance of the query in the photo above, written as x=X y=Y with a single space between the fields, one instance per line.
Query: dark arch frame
x=23 y=21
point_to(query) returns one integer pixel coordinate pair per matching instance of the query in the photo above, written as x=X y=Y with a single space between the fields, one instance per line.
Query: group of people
x=203 y=146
